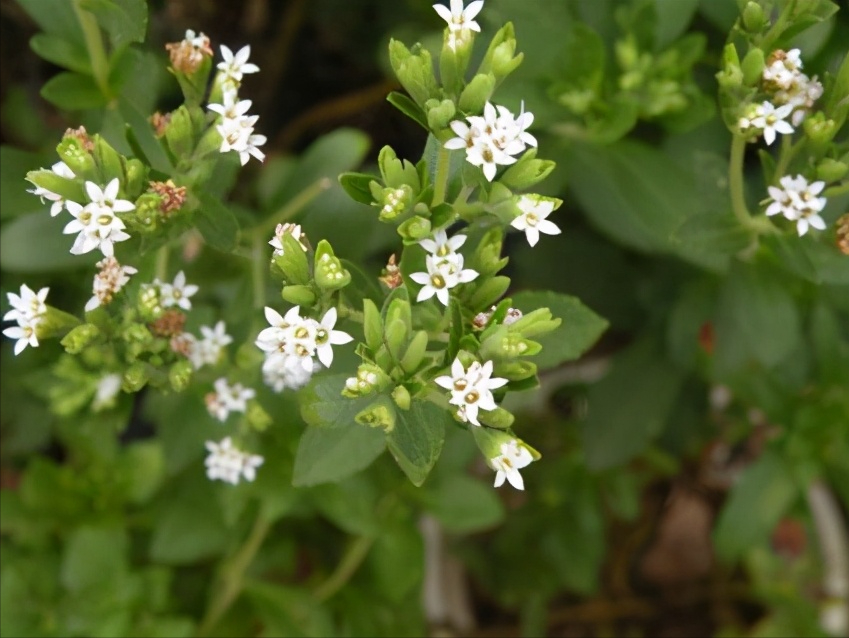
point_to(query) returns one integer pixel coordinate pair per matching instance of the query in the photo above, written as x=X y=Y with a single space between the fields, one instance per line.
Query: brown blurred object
x=681 y=551
x=789 y=538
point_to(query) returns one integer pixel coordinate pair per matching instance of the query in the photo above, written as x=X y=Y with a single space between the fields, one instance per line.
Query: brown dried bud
x=482 y=319
x=160 y=122
x=82 y=135
x=182 y=344
x=843 y=233
x=187 y=55
x=170 y=324
x=391 y=275
x=173 y=196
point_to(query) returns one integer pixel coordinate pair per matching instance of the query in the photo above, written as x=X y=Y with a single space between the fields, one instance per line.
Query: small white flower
x=291 y=229
x=441 y=276
x=232 y=109
x=809 y=219
x=28 y=306
x=459 y=18
x=771 y=120
x=177 y=293
x=440 y=246
x=513 y=458
x=108 y=388
x=533 y=218
x=207 y=351
x=62 y=170
x=228 y=463
x=798 y=201
x=96 y=222
x=235 y=66
x=466 y=136
x=111 y=278
x=281 y=371
x=471 y=389
x=228 y=398
x=24 y=334
x=326 y=337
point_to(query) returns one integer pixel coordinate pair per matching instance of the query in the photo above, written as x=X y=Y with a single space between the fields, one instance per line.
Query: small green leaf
x=759 y=499
x=409 y=108
x=711 y=232
x=125 y=21
x=357 y=186
x=464 y=505
x=73 y=92
x=65 y=53
x=94 y=557
x=216 y=223
x=331 y=454
x=416 y=441
x=288 y=611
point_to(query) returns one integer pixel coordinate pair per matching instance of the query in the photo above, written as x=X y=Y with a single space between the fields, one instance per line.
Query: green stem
x=788 y=150
x=348 y=312
x=161 y=269
x=735 y=181
x=347 y=567
x=232 y=576
x=778 y=28
x=440 y=186
x=293 y=206
x=259 y=266
x=94 y=45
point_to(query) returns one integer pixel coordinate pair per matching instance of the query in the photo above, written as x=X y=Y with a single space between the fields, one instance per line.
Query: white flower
x=62 y=170
x=326 y=337
x=513 y=458
x=24 y=334
x=231 y=110
x=228 y=463
x=459 y=18
x=228 y=398
x=798 y=201
x=771 y=120
x=177 y=293
x=111 y=278
x=441 y=276
x=283 y=229
x=27 y=306
x=208 y=350
x=471 y=389
x=281 y=371
x=809 y=219
x=107 y=389
x=532 y=219
x=235 y=66
x=96 y=222
x=440 y=246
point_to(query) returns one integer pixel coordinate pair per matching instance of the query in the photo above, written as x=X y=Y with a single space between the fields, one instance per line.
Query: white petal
x=426 y=293
x=516 y=479
x=547 y=227
x=93 y=191
x=111 y=190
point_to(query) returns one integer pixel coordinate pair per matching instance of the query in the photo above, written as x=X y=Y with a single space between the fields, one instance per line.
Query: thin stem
x=347 y=567
x=161 y=269
x=735 y=181
x=232 y=576
x=94 y=45
x=788 y=150
x=293 y=206
x=258 y=270
x=443 y=161
x=348 y=312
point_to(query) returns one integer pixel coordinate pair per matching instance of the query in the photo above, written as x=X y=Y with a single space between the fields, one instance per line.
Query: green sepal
x=498 y=418
x=80 y=338
x=515 y=370
x=396 y=337
x=488 y=292
x=135 y=178
x=109 y=162
x=397 y=306
x=293 y=262
x=753 y=67
x=414 y=229
x=135 y=378
x=70 y=190
x=499 y=58
x=180 y=134
x=194 y=85
x=754 y=19
x=477 y=93
x=439 y=114
x=257 y=418
x=414 y=69
x=372 y=325
x=395 y=172
x=536 y=322
x=329 y=272
x=79 y=160
x=527 y=172
x=415 y=352
x=401 y=397
x=454 y=62
x=298 y=295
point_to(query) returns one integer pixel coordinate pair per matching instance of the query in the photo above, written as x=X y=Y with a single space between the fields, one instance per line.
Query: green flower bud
x=454 y=60
x=69 y=189
x=497 y=418
x=193 y=80
x=499 y=58
x=415 y=352
x=137 y=333
x=489 y=442
x=380 y=414
x=370 y=378
x=487 y=256
x=396 y=337
x=329 y=273
x=753 y=67
x=401 y=396
x=415 y=228
x=414 y=69
x=372 y=325
x=819 y=129
x=439 y=114
x=80 y=338
x=55 y=322
x=731 y=75
x=180 y=375
x=293 y=262
x=257 y=417
x=537 y=322
x=298 y=295
x=180 y=133
x=515 y=370
x=527 y=172
x=79 y=160
x=477 y=93
x=488 y=291
x=829 y=170
x=149 y=303
x=753 y=18
x=108 y=160
x=135 y=378
x=393 y=202
x=135 y=175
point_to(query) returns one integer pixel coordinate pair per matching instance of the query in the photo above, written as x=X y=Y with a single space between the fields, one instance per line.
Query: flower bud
x=401 y=396
x=380 y=414
x=180 y=375
x=439 y=114
x=257 y=417
x=454 y=60
x=72 y=151
x=477 y=93
x=108 y=160
x=819 y=129
x=753 y=67
x=80 y=338
x=731 y=75
x=370 y=378
x=135 y=175
x=527 y=172
x=499 y=58
x=487 y=256
x=830 y=170
x=393 y=202
x=298 y=295
x=539 y=321
x=415 y=228
x=515 y=370
x=293 y=262
x=372 y=325
x=135 y=378
x=180 y=134
x=489 y=441
x=415 y=352
x=55 y=322
x=396 y=337
x=145 y=218
x=497 y=418
x=329 y=273
x=414 y=69
x=753 y=18
x=149 y=303
x=489 y=291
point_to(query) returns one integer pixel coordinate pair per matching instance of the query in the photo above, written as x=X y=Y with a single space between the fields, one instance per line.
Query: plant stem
x=348 y=312
x=735 y=181
x=161 y=269
x=232 y=576
x=788 y=150
x=258 y=269
x=347 y=567
x=94 y=45
x=443 y=161
x=293 y=206
x=778 y=28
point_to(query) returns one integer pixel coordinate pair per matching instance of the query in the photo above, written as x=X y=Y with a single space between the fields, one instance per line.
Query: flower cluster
x=492 y=139
x=798 y=201
x=228 y=463
x=471 y=390
x=236 y=126
x=783 y=78
x=228 y=398
x=768 y=119
x=532 y=219
x=461 y=21
x=188 y=54
x=205 y=351
x=293 y=343
x=444 y=267
x=28 y=310
x=96 y=222
x=108 y=282
x=514 y=456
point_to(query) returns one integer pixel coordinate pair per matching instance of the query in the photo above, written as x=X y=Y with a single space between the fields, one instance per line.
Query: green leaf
x=94 y=557
x=757 y=319
x=288 y=611
x=52 y=253
x=409 y=108
x=416 y=440
x=73 y=92
x=145 y=463
x=217 y=223
x=323 y=406
x=580 y=327
x=396 y=561
x=759 y=499
x=673 y=17
x=357 y=186
x=331 y=454
x=810 y=259
x=14 y=198
x=350 y=504
x=140 y=132
x=55 y=18
x=464 y=505
x=125 y=21
x=65 y=53
x=629 y=407
x=713 y=233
